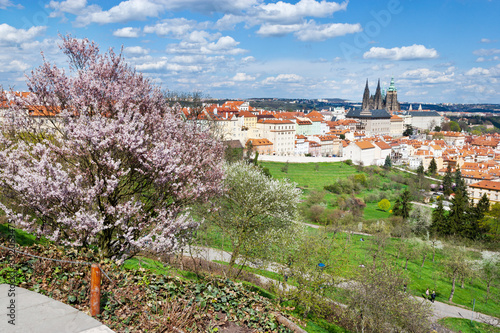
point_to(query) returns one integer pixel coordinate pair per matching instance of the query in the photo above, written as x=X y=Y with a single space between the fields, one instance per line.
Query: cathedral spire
x=366 y=98
x=378 y=97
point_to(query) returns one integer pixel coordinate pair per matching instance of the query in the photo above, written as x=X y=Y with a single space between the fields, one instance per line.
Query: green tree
x=379 y=302
x=402 y=206
x=253 y=211
x=448 y=181
x=458 y=216
x=490 y=271
x=455 y=264
x=432 y=167
x=387 y=162
x=454 y=126
x=384 y=204
x=459 y=181
x=439 y=224
x=474 y=229
x=420 y=220
x=408 y=131
x=420 y=174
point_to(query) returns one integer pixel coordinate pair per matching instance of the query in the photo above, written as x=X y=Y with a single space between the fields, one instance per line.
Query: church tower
x=391 y=98
x=366 y=98
x=377 y=100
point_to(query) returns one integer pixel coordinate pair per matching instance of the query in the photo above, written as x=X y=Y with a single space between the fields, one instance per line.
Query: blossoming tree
x=113 y=166
x=255 y=211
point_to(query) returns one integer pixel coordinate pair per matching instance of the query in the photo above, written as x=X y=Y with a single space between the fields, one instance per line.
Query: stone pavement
x=35 y=313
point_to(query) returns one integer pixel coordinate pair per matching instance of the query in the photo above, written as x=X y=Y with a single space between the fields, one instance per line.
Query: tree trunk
x=433 y=254
x=463 y=283
x=423 y=261
x=452 y=289
x=487 y=290
x=406 y=265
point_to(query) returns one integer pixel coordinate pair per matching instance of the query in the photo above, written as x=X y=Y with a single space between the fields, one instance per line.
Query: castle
x=381 y=101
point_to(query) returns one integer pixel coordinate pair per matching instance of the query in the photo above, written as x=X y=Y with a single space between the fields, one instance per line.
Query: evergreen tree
x=439 y=224
x=432 y=167
x=459 y=181
x=473 y=229
x=388 y=162
x=459 y=217
x=402 y=207
x=447 y=181
x=420 y=170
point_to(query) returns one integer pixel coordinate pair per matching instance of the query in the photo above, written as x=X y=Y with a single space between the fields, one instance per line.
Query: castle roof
x=357 y=113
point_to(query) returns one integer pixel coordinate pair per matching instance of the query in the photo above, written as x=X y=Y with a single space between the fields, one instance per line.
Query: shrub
x=371 y=197
x=384 y=204
x=348 y=162
x=316 y=212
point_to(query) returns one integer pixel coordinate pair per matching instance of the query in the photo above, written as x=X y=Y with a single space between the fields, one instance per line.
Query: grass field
x=465 y=326
x=314 y=176
x=306 y=176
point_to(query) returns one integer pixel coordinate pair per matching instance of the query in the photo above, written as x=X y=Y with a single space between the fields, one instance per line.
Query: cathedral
x=381 y=101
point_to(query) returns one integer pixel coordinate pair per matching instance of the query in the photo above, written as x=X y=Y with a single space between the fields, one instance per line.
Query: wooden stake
x=95 y=290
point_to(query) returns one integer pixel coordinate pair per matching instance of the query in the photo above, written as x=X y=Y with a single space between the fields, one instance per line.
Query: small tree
x=387 y=162
x=284 y=168
x=432 y=167
x=378 y=300
x=384 y=204
x=420 y=220
x=490 y=272
x=253 y=211
x=448 y=181
x=455 y=265
x=439 y=224
x=402 y=206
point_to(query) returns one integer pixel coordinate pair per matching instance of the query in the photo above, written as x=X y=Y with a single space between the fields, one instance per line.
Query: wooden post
x=95 y=290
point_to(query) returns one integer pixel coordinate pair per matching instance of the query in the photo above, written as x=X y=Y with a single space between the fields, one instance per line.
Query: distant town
x=365 y=133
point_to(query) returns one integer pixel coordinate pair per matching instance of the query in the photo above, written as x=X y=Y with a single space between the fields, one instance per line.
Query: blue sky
x=438 y=51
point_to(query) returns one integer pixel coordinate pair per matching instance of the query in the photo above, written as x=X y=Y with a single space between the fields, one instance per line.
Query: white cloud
x=286 y=13
x=173 y=28
x=225 y=45
x=127 y=32
x=413 y=52
x=243 y=77
x=275 y=30
x=425 y=75
x=14 y=66
x=12 y=35
x=136 y=50
x=283 y=78
x=486 y=52
x=309 y=31
x=479 y=71
x=7 y=3
x=154 y=65
x=68 y=6
x=486 y=40
x=317 y=33
x=129 y=10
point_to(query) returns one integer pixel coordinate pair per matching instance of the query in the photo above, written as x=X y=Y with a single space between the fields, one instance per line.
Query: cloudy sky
x=437 y=50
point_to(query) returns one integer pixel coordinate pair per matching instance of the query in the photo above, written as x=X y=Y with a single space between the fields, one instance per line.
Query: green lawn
x=306 y=176
x=429 y=276
x=465 y=326
x=309 y=179
x=22 y=238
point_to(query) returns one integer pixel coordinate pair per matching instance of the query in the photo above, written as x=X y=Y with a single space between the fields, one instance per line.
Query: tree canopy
x=115 y=167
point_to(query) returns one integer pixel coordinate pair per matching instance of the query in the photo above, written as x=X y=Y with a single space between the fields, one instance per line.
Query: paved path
x=440 y=310
x=414 y=173
x=36 y=313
